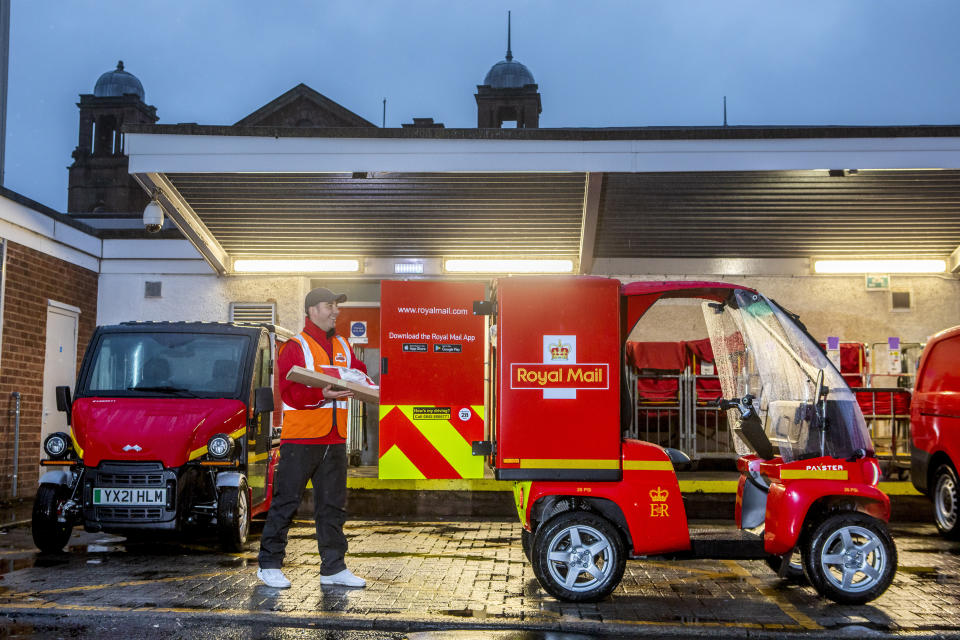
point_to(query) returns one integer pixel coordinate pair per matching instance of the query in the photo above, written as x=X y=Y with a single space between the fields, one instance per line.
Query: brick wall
x=33 y=278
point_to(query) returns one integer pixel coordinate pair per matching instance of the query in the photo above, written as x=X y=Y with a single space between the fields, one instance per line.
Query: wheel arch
x=826 y=506
x=937 y=459
x=547 y=507
x=57 y=477
x=793 y=511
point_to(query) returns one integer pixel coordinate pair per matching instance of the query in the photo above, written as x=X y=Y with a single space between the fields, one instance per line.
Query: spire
x=509 y=53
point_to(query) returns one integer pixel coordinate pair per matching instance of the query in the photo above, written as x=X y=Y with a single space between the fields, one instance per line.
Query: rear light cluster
x=871 y=471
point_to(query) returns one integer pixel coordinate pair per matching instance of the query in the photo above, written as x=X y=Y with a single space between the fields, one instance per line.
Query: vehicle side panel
x=558 y=379
x=935 y=407
x=648 y=496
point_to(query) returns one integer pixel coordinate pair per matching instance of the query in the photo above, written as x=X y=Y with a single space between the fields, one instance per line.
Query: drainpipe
x=16 y=439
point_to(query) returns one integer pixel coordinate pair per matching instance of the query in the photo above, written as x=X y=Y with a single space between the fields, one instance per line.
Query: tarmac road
x=449 y=579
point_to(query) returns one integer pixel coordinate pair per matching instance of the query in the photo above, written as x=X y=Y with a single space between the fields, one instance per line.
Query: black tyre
x=794 y=571
x=578 y=556
x=945 y=510
x=526 y=542
x=233 y=517
x=850 y=558
x=49 y=534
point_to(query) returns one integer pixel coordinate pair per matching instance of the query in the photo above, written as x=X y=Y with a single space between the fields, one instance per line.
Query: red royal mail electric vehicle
x=935 y=429
x=171 y=429
x=589 y=498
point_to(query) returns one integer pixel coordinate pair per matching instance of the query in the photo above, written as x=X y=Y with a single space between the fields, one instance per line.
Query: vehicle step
x=725 y=543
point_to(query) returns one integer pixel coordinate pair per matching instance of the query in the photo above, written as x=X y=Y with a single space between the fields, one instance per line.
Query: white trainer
x=345 y=579
x=273 y=578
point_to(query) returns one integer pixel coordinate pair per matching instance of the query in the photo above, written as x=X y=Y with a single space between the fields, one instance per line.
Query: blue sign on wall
x=358 y=331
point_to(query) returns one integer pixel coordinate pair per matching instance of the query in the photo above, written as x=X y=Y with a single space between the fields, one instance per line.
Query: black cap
x=320 y=294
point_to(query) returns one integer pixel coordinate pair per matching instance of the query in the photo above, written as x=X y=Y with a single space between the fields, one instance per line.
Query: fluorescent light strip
x=507 y=266
x=408 y=267
x=879 y=266
x=295 y=266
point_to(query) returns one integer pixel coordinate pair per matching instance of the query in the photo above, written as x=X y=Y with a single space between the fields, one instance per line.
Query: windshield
x=762 y=352
x=200 y=365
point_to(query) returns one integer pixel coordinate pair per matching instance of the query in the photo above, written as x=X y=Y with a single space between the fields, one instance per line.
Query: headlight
x=220 y=446
x=57 y=445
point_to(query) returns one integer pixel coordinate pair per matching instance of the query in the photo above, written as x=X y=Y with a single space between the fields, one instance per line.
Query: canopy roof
x=612 y=200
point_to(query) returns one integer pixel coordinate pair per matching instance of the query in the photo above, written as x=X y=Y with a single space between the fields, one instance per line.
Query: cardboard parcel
x=337 y=377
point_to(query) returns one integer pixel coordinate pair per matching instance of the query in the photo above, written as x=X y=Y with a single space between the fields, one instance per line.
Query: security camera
x=153 y=217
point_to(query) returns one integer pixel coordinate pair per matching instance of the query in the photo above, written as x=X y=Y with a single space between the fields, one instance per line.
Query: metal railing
x=887 y=412
x=671 y=413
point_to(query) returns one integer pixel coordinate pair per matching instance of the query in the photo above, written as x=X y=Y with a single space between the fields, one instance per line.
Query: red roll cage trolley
x=589 y=499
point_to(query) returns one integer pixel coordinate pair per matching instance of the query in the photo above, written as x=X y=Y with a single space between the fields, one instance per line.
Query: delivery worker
x=312 y=447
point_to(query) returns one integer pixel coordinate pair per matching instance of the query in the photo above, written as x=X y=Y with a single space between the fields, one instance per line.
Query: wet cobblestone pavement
x=436 y=575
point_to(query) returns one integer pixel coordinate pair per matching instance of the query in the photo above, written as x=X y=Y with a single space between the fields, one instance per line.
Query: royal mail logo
x=341 y=358
x=559 y=376
x=559 y=351
x=659 y=494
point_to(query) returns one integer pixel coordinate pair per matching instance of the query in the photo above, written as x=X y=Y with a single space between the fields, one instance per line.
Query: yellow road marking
x=295 y=615
x=797 y=616
x=706 y=573
x=803 y=621
x=132 y=583
x=899 y=488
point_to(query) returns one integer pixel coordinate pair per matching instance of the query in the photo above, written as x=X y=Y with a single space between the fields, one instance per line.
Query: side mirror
x=64 y=402
x=262 y=399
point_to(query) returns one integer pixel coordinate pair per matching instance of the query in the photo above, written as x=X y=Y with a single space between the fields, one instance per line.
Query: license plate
x=106 y=496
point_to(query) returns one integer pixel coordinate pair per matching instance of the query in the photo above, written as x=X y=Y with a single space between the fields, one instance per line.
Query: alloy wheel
x=580 y=557
x=853 y=559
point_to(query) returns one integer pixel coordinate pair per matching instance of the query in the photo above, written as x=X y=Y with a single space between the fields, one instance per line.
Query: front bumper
x=135 y=476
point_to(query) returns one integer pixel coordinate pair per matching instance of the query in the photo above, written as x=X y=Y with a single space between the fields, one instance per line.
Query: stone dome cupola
x=508 y=73
x=118 y=83
x=508 y=94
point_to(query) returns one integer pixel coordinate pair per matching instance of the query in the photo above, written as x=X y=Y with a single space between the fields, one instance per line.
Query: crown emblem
x=559 y=351
x=659 y=494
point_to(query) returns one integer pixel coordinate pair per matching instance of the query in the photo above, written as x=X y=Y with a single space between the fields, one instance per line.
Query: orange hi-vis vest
x=317 y=422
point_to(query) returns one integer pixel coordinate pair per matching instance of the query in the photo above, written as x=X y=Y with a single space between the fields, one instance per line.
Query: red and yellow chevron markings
x=430 y=441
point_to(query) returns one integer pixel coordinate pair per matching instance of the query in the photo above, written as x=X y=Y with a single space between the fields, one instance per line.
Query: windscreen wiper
x=178 y=391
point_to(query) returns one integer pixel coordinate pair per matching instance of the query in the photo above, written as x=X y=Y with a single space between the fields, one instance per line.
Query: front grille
x=131 y=475
x=130 y=513
x=130 y=479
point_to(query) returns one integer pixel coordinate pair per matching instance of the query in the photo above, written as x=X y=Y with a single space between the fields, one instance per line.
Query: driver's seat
x=156 y=373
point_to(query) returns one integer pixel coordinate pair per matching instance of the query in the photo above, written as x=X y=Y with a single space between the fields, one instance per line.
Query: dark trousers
x=326 y=466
